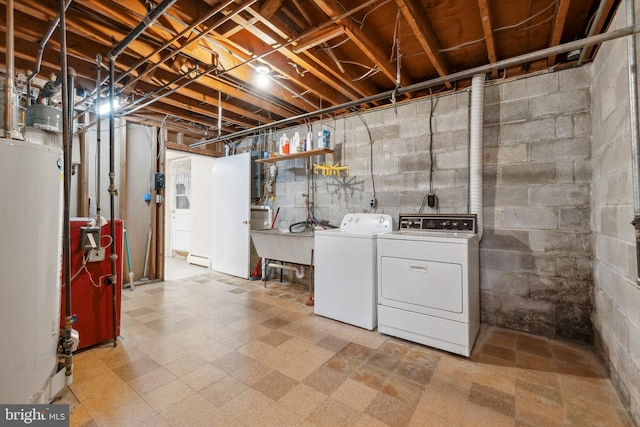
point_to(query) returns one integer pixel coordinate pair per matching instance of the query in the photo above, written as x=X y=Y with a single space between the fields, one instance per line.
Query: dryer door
x=422 y=285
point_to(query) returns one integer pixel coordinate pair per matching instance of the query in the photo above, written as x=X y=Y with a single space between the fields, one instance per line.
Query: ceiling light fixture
x=263 y=69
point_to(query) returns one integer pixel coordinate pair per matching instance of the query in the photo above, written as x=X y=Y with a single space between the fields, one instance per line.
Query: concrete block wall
x=536 y=268
x=616 y=318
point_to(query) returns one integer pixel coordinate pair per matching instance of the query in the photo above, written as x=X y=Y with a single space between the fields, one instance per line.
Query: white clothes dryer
x=428 y=281
x=345 y=269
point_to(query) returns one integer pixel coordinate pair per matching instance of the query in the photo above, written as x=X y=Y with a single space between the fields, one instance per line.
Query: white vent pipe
x=476 y=122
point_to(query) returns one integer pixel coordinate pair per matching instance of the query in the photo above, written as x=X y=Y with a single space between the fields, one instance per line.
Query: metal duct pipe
x=113 y=192
x=67 y=156
x=592 y=30
x=476 y=129
x=9 y=82
x=635 y=130
x=41 y=46
x=146 y=22
x=505 y=63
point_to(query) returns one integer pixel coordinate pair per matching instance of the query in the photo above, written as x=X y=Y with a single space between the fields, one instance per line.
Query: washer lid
x=366 y=223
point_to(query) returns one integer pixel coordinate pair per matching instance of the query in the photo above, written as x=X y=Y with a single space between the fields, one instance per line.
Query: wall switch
x=89 y=238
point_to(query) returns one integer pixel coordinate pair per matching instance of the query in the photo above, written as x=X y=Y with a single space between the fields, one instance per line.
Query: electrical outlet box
x=89 y=238
x=147 y=197
x=96 y=255
x=373 y=203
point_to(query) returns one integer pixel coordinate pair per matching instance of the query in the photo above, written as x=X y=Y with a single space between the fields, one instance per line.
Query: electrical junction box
x=159 y=181
x=96 y=255
x=89 y=238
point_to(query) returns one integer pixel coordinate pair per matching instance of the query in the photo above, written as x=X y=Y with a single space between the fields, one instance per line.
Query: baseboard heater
x=199 y=260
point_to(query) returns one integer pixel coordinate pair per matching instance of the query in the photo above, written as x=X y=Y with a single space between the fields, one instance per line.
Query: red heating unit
x=91 y=297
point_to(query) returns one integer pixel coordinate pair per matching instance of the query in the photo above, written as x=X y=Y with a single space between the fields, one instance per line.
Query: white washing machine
x=428 y=281
x=345 y=269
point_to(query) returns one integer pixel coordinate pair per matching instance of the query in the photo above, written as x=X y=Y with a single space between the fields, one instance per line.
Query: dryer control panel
x=457 y=223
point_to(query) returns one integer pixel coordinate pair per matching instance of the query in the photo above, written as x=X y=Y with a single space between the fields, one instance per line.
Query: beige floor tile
x=79 y=415
x=256 y=349
x=252 y=372
x=390 y=410
x=184 y=365
x=213 y=353
x=132 y=414
x=194 y=410
x=151 y=380
x=423 y=418
x=202 y=376
x=168 y=395
x=250 y=401
x=92 y=387
x=332 y=412
x=131 y=370
x=169 y=354
x=224 y=390
x=355 y=394
x=447 y=400
x=302 y=399
x=325 y=380
x=275 y=385
x=223 y=336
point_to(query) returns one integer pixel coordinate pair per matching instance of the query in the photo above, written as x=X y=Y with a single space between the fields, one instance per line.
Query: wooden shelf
x=310 y=153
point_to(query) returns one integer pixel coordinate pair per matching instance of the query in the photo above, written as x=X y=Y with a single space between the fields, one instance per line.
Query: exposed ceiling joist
x=417 y=18
x=487 y=27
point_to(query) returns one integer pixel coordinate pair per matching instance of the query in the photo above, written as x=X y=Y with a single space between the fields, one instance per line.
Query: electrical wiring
x=110 y=240
x=373 y=181
x=433 y=106
x=513 y=27
x=84 y=267
x=524 y=21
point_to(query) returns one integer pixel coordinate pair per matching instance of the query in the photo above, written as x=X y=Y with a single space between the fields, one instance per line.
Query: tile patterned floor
x=213 y=350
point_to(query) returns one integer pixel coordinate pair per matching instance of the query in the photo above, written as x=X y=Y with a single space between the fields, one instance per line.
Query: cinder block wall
x=536 y=252
x=616 y=317
x=536 y=268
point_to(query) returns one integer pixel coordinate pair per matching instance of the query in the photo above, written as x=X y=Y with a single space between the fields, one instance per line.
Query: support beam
x=487 y=27
x=558 y=26
x=416 y=16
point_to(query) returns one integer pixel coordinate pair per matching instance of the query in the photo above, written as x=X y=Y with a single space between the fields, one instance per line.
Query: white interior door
x=231 y=214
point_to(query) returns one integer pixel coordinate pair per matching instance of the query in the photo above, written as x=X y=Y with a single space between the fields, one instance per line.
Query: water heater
x=30 y=262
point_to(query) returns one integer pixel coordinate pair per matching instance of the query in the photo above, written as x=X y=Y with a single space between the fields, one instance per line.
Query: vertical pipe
x=475 y=148
x=66 y=245
x=113 y=281
x=635 y=131
x=98 y=136
x=8 y=84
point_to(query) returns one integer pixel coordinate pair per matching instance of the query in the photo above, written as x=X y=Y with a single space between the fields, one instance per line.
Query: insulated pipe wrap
x=476 y=122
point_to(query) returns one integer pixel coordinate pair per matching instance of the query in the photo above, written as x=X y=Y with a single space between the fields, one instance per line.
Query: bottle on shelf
x=284 y=145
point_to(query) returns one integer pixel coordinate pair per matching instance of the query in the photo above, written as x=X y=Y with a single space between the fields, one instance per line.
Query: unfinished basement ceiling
x=201 y=58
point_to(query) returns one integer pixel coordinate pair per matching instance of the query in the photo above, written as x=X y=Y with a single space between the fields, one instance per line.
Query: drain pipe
x=67 y=145
x=113 y=191
x=476 y=129
x=635 y=130
x=9 y=80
